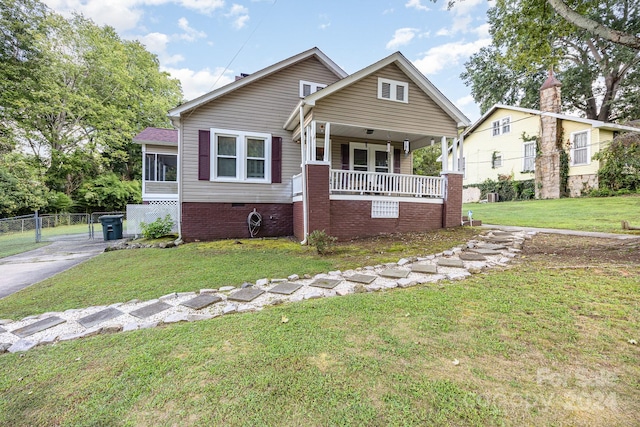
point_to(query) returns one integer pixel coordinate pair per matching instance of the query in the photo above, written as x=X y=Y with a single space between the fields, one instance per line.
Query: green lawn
x=16 y=243
x=543 y=342
x=588 y=214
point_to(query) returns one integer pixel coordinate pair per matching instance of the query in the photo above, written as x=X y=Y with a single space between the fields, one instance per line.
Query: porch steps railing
x=379 y=183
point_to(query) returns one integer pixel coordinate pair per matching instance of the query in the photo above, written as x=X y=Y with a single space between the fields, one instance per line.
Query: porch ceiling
x=349 y=131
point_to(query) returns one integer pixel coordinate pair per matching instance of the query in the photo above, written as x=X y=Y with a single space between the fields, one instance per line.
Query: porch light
x=369 y=131
x=406 y=146
x=388 y=146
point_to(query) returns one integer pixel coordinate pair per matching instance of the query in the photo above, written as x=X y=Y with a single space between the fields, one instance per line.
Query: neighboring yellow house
x=503 y=142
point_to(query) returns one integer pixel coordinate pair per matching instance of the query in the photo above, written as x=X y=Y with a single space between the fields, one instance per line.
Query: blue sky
x=205 y=43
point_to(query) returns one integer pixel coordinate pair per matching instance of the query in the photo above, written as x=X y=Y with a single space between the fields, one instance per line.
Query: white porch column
x=454 y=155
x=327 y=142
x=445 y=155
x=303 y=166
x=461 y=168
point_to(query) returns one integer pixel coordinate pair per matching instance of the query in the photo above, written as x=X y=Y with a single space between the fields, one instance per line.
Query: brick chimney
x=547 y=174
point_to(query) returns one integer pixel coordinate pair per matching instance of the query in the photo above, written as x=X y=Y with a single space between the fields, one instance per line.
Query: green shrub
x=601 y=192
x=158 y=228
x=322 y=241
x=507 y=188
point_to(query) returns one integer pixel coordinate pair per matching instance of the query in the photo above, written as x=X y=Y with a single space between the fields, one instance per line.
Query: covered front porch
x=355 y=184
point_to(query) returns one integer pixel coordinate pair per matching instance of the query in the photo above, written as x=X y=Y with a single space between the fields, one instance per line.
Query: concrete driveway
x=22 y=270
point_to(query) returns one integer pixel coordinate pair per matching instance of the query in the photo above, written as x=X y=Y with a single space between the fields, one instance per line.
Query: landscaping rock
x=5 y=321
x=22 y=345
x=130 y=327
x=175 y=318
x=405 y=283
x=403 y=261
x=208 y=291
x=168 y=296
x=4 y=347
x=112 y=329
x=229 y=308
x=226 y=288
x=262 y=282
x=293 y=278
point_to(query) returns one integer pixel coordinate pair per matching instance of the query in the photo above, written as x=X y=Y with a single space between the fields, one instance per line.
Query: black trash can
x=111 y=226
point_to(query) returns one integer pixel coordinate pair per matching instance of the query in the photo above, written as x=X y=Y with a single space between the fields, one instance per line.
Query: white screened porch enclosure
x=367 y=161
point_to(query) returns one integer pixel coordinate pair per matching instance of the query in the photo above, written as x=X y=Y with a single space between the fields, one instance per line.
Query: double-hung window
x=496 y=161
x=160 y=167
x=506 y=125
x=240 y=156
x=529 y=156
x=495 y=128
x=393 y=90
x=307 y=88
x=501 y=126
x=580 y=148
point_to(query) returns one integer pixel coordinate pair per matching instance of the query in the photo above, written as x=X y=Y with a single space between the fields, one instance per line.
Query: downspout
x=305 y=200
x=176 y=123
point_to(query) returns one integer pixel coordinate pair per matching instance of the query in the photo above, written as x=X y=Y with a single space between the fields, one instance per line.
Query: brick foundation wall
x=298 y=221
x=452 y=209
x=210 y=221
x=352 y=218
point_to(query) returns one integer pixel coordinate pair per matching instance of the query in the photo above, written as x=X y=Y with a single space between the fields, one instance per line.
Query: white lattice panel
x=137 y=214
x=384 y=209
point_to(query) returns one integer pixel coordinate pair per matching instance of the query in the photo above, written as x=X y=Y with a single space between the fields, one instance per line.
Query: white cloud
x=124 y=15
x=464 y=101
x=465 y=7
x=196 y=83
x=326 y=23
x=388 y=11
x=239 y=14
x=416 y=4
x=157 y=43
x=190 y=34
x=401 y=37
x=448 y=55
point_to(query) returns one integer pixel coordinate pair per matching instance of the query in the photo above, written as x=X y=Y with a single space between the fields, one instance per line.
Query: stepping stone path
x=150 y=310
x=494 y=248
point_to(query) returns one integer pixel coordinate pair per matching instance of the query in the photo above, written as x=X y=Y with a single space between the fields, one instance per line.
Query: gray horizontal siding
x=359 y=105
x=262 y=106
x=160 y=187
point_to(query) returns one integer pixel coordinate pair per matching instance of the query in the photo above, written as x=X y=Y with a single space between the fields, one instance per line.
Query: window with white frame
x=501 y=126
x=370 y=157
x=495 y=128
x=529 y=156
x=240 y=156
x=160 y=167
x=506 y=125
x=393 y=90
x=580 y=148
x=307 y=88
x=496 y=160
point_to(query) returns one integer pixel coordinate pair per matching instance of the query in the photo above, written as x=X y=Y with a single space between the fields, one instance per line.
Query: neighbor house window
x=580 y=148
x=495 y=128
x=502 y=126
x=529 y=157
x=506 y=125
x=161 y=167
x=307 y=88
x=240 y=156
x=496 y=161
x=393 y=90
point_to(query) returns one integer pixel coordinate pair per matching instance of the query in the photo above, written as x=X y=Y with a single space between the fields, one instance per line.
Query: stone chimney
x=547 y=174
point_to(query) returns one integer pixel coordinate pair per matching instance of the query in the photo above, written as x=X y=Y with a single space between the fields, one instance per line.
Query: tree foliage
x=620 y=163
x=600 y=78
x=22 y=188
x=108 y=193
x=425 y=160
x=74 y=94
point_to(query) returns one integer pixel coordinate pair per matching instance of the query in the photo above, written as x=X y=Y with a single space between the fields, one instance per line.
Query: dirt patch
x=580 y=251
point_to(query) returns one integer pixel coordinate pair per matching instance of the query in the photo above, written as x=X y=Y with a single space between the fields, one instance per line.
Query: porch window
x=370 y=157
x=529 y=157
x=580 y=148
x=393 y=90
x=161 y=167
x=307 y=88
x=241 y=156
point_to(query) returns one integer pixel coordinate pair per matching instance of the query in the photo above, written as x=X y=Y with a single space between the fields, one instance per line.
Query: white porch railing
x=385 y=184
x=297 y=184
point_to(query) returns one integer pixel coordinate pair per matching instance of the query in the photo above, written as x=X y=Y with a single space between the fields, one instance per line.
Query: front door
x=367 y=157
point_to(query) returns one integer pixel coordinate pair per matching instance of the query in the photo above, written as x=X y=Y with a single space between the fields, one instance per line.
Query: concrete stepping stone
x=492 y=246
x=325 y=283
x=246 y=294
x=38 y=326
x=470 y=256
x=483 y=251
x=361 y=278
x=202 y=301
x=424 y=268
x=449 y=262
x=286 y=288
x=497 y=239
x=395 y=273
x=150 y=310
x=99 y=317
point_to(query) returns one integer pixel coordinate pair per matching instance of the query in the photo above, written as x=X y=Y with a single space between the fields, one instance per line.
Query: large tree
x=88 y=93
x=600 y=78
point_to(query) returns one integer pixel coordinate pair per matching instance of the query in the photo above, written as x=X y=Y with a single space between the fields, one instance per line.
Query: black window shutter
x=276 y=159
x=396 y=160
x=344 y=154
x=204 y=155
